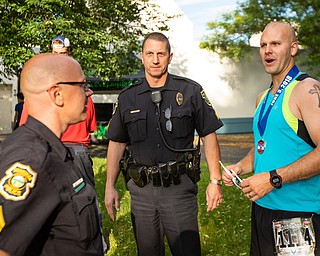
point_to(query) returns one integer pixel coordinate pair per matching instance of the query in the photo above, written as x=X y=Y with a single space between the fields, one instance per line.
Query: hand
x=256 y=186
x=227 y=180
x=213 y=196
x=111 y=200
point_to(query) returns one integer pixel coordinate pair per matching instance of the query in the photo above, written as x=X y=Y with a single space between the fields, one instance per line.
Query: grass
x=223 y=232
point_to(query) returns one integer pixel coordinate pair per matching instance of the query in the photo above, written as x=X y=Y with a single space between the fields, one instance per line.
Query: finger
x=111 y=213
x=117 y=205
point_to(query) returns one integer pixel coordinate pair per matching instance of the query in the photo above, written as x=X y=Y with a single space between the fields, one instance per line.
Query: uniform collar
x=169 y=85
x=45 y=133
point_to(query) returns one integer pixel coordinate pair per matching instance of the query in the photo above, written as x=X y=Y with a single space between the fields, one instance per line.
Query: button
x=158 y=145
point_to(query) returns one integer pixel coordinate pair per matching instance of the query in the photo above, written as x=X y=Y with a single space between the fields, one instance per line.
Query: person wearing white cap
x=61 y=45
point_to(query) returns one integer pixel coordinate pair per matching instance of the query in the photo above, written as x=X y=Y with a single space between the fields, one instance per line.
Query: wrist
x=215 y=182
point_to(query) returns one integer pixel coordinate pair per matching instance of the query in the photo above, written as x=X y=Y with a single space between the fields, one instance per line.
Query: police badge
x=17 y=183
x=179 y=98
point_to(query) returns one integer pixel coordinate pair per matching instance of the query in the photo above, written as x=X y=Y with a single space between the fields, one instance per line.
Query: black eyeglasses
x=85 y=85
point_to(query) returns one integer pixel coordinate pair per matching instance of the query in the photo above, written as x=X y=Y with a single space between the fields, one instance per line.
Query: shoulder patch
x=205 y=97
x=18 y=182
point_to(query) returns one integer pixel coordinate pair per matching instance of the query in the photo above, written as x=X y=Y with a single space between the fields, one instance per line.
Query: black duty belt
x=163 y=174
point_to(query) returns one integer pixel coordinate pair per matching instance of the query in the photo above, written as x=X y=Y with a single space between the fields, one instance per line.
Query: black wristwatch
x=275 y=179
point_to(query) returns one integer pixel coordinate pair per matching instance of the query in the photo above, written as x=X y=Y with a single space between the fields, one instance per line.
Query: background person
x=164 y=198
x=286 y=157
x=47 y=208
x=18 y=110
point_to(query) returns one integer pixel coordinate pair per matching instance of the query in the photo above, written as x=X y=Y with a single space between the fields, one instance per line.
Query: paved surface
x=233 y=147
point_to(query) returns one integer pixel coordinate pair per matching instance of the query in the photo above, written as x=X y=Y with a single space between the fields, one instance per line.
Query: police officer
x=46 y=206
x=157 y=118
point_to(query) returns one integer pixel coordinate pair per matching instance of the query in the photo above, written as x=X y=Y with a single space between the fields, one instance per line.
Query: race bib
x=294 y=237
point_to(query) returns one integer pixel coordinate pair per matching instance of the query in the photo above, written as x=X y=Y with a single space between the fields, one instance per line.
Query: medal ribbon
x=262 y=122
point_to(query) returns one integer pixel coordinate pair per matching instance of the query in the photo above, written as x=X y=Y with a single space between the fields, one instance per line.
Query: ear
x=141 y=57
x=170 y=57
x=294 y=48
x=56 y=95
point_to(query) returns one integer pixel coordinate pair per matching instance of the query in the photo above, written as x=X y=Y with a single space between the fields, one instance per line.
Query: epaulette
x=135 y=83
x=188 y=80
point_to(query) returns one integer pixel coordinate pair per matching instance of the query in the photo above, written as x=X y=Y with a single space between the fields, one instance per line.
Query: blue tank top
x=285 y=142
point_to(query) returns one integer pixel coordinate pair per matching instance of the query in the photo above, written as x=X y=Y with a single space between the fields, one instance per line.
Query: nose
x=268 y=49
x=155 y=58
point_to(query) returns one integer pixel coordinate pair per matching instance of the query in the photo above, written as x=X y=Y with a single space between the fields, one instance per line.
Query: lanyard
x=262 y=122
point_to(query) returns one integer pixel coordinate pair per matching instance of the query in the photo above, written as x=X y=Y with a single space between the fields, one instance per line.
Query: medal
x=261 y=146
x=264 y=115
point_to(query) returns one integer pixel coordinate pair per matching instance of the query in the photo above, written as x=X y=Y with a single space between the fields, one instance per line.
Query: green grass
x=223 y=232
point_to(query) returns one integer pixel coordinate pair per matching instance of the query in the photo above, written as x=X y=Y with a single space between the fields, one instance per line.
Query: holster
x=138 y=174
x=193 y=160
x=125 y=162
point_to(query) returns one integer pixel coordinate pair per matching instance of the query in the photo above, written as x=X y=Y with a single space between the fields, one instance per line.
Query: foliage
x=232 y=31
x=105 y=34
x=225 y=231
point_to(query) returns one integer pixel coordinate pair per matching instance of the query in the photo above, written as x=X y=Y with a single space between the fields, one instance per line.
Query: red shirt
x=76 y=133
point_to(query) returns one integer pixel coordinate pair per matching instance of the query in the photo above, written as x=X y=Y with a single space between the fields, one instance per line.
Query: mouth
x=269 y=60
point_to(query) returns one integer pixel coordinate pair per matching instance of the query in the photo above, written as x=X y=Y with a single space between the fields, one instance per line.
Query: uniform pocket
x=182 y=122
x=137 y=125
x=86 y=212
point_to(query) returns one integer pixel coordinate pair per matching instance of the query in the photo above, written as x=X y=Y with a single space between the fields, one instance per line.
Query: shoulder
x=25 y=147
x=134 y=85
x=185 y=80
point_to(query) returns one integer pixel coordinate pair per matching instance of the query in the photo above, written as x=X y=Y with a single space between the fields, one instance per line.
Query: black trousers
x=171 y=211
x=262 y=238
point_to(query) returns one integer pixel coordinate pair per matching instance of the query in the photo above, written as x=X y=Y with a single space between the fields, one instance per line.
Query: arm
x=115 y=153
x=212 y=155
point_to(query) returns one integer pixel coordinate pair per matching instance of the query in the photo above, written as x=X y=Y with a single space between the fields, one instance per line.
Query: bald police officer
x=46 y=206
x=158 y=118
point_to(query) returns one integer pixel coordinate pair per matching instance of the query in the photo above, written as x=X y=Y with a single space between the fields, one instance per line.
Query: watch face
x=275 y=180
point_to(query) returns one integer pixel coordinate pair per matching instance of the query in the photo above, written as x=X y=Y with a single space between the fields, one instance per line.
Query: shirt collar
x=45 y=133
x=145 y=87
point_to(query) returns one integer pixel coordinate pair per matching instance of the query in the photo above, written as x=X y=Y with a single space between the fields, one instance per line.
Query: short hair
x=158 y=37
x=20 y=95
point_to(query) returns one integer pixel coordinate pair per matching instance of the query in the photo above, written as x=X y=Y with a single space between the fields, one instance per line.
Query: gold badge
x=204 y=96
x=17 y=183
x=179 y=98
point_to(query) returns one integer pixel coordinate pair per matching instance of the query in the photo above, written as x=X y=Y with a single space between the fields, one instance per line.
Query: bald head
x=54 y=93
x=43 y=70
x=282 y=27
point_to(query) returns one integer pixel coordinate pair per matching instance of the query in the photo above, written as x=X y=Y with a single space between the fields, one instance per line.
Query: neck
x=156 y=82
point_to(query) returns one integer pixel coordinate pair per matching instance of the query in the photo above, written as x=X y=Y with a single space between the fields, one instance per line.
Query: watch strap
x=216 y=182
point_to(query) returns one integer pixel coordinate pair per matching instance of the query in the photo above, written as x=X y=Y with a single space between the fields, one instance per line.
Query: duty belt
x=163 y=174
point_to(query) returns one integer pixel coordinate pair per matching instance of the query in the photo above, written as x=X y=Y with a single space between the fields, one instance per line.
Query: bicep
x=309 y=107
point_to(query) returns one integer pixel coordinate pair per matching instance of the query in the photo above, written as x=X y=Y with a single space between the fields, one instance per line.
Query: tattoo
x=317 y=91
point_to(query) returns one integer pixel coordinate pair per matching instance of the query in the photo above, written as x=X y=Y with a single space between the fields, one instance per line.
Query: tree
x=105 y=35
x=232 y=31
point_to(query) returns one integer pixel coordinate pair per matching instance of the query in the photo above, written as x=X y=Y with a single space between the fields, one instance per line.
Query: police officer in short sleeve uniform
x=158 y=123
x=46 y=206
x=45 y=203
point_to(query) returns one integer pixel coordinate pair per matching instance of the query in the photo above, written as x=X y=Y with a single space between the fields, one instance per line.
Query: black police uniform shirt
x=46 y=208
x=135 y=119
